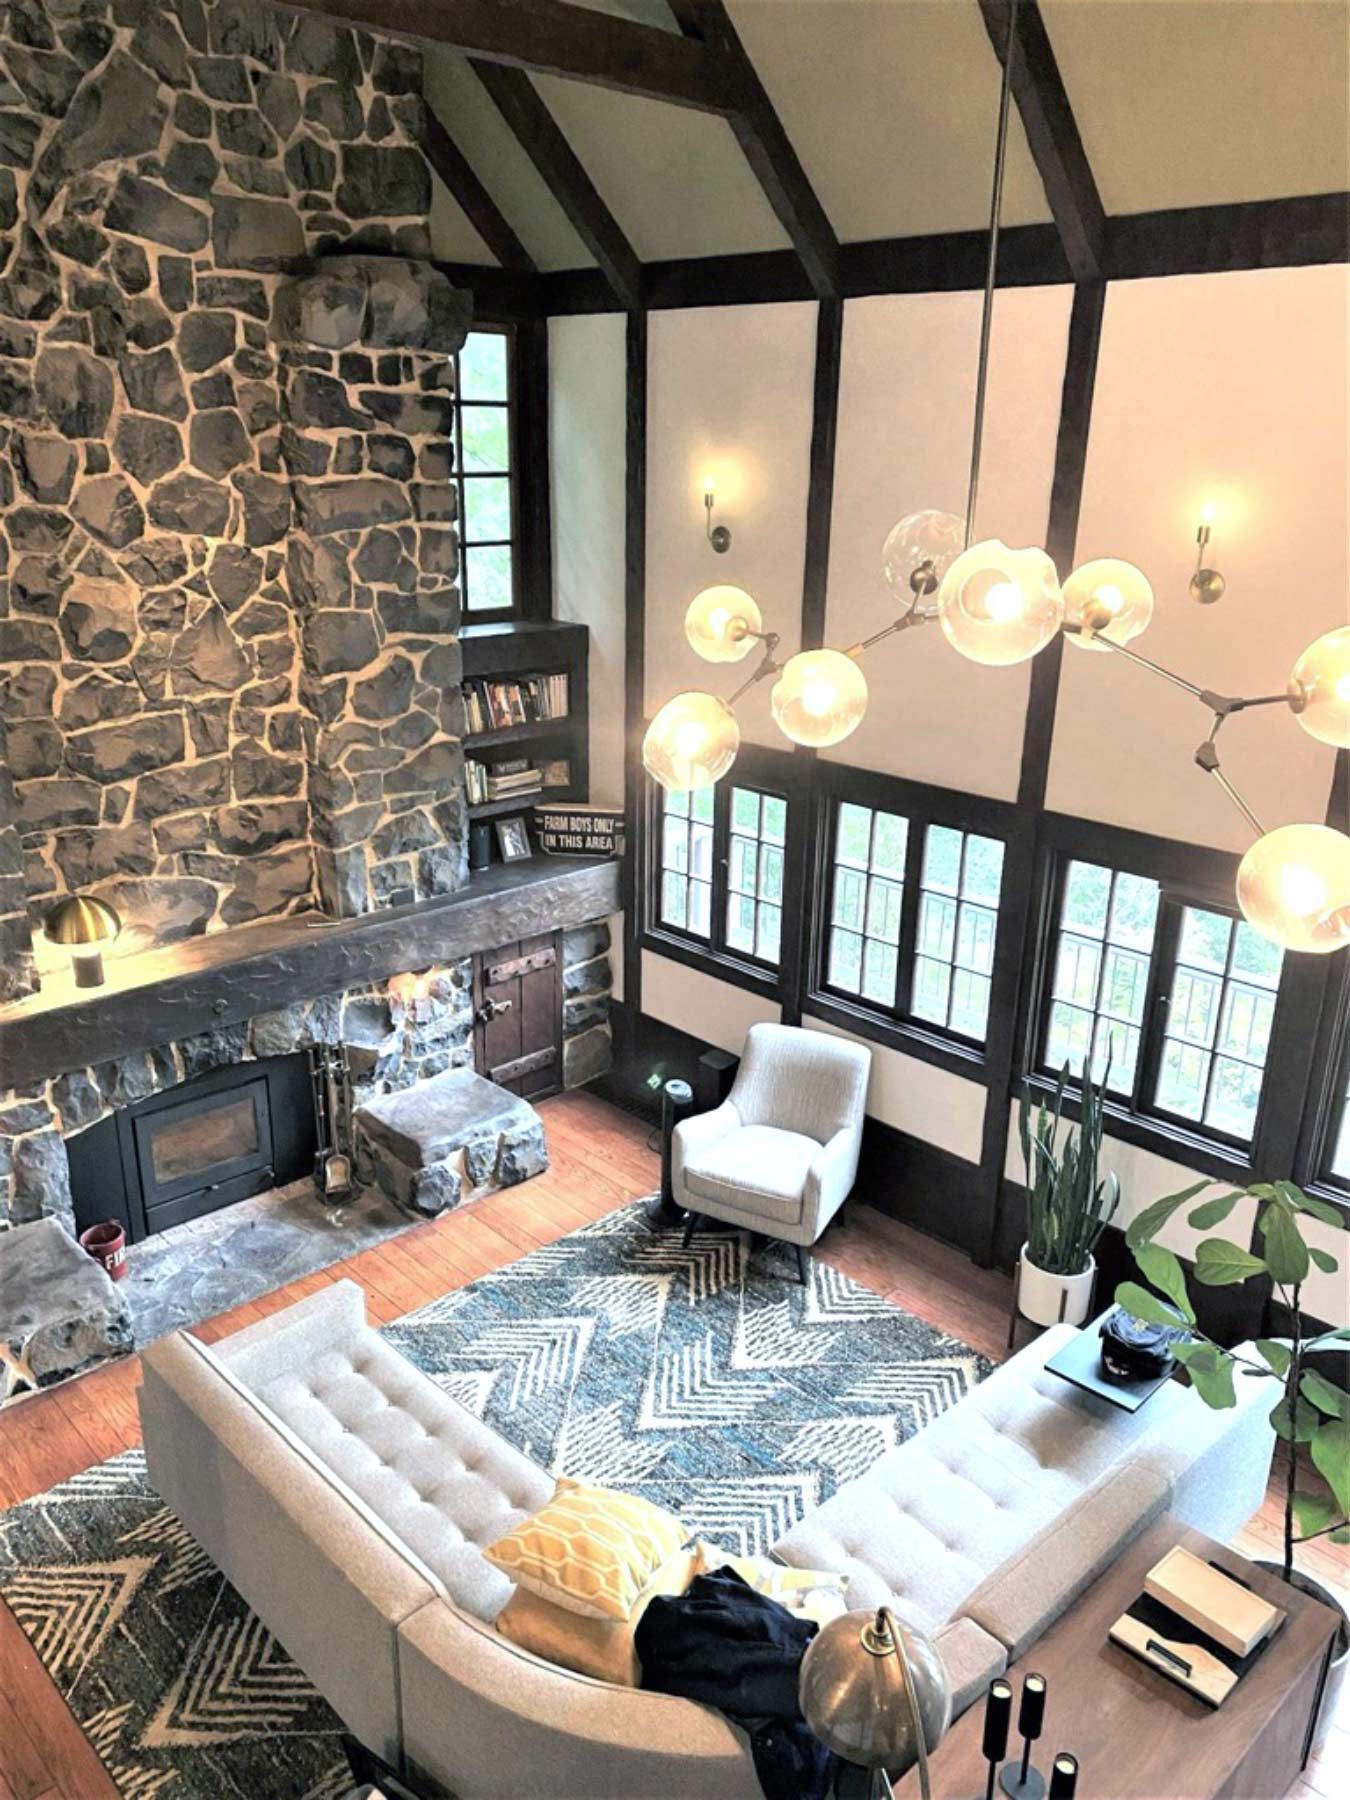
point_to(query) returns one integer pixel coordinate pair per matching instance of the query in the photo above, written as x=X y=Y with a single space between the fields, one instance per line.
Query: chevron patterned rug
x=707 y=1379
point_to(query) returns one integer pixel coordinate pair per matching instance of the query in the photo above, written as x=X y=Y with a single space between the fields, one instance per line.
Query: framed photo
x=513 y=840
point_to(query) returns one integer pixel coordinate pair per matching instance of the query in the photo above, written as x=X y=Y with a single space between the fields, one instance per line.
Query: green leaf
x=1146 y=1225
x=1286 y=1253
x=1307 y=1422
x=1331 y=1458
x=1341 y=1535
x=1164 y=1271
x=1321 y=1209
x=1279 y=1356
x=1212 y=1377
x=1325 y=1261
x=1148 y=1307
x=1313 y=1513
x=1325 y=1395
x=1219 y=1263
x=1212 y=1212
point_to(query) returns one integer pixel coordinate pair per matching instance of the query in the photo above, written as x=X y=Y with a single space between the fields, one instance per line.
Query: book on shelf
x=492 y=704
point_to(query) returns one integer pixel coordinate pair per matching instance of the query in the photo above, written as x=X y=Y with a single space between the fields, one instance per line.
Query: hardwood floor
x=599 y=1160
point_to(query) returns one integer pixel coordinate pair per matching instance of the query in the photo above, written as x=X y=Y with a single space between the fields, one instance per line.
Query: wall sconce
x=83 y=927
x=1207 y=585
x=719 y=536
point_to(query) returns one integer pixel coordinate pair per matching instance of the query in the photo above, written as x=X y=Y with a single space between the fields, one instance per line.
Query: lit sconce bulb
x=719 y=536
x=1319 y=688
x=1107 y=598
x=819 y=697
x=709 y=490
x=1207 y=585
x=720 y=624
x=1207 y=513
x=999 y=606
x=692 y=742
x=1293 y=887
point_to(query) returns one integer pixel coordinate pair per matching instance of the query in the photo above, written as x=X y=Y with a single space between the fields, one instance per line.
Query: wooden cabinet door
x=518 y=1016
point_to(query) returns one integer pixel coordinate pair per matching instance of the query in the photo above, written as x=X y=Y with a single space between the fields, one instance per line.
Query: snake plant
x=1068 y=1204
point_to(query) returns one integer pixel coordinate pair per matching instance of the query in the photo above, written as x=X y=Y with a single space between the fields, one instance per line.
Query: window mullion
x=907 y=962
x=721 y=866
x=1157 y=1004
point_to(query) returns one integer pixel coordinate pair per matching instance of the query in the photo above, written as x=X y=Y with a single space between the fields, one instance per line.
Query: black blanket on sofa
x=722 y=1643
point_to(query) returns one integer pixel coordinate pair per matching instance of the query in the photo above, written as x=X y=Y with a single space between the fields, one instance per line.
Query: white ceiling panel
x=1203 y=102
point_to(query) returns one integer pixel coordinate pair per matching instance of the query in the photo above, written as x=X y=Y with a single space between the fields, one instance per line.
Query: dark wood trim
x=1052 y=135
x=767 y=147
x=552 y=38
x=480 y=209
x=1021 y=927
x=1208 y=240
x=533 y=489
x=543 y=141
x=503 y=295
x=634 y=653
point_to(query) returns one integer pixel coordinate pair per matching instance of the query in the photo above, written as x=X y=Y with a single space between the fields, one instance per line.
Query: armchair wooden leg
x=801 y=1264
x=690 y=1222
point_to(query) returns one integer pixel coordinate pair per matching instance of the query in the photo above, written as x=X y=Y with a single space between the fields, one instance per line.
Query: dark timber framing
x=634 y=656
x=538 y=134
x=481 y=210
x=1052 y=134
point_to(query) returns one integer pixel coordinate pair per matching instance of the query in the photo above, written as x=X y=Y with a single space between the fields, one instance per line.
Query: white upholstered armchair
x=780 y=1154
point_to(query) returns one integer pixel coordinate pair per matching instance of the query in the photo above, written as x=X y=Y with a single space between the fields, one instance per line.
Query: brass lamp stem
x=886 y=1629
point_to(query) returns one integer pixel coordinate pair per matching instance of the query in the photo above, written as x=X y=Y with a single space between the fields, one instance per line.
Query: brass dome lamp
x=83 y=926
x=874 y=1691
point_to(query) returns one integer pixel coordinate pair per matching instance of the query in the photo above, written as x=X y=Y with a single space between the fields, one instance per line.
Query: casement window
x=1172 y=1001
x=912 y=919
x=1338 y=1148
x=485 y=476
x=719 y=874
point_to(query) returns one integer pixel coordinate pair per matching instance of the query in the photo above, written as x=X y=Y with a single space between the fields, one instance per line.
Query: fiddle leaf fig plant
x=1311 y=1414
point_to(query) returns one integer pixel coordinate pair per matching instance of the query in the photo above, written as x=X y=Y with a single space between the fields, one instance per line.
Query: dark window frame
x=1327 y=1102
x=921 y=805
x=514 y=405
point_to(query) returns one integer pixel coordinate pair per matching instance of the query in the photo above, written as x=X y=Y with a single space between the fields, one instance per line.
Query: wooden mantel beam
x=551 y=37
x=1052 y=134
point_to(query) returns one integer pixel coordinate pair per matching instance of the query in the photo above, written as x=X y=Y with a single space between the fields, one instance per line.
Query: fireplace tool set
x=332 y=1123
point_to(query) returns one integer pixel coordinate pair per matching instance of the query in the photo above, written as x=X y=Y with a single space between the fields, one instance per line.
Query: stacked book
x=513 y=780
x=496 y=705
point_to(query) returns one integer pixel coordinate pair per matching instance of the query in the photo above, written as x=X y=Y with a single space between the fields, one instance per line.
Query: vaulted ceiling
x=891 y=106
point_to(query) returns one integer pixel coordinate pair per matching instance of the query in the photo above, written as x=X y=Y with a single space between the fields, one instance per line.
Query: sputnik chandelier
x=999 y=606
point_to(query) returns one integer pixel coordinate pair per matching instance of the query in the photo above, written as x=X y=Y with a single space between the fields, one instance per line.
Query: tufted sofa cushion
x=440 y=1479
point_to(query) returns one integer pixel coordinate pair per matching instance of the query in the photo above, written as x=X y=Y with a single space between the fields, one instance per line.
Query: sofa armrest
x=1028 y=1593
x=694 y=1136
x=293 y=1337
x=830 y=1178
x=971 y=1658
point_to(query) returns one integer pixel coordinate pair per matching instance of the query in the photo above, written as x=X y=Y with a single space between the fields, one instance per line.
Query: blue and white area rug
x=707 y=1379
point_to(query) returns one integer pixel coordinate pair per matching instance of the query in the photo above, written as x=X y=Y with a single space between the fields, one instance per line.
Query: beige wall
x=919 y=1098
x=701 y=1005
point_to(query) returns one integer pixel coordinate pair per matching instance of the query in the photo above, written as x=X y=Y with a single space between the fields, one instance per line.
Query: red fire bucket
x=107 y=1244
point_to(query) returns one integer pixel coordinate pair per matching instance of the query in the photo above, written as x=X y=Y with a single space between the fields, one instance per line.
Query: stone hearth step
x=60 y=1313
x=450 y=1139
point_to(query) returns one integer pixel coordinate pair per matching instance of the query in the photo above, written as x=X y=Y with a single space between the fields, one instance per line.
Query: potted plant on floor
x=1311 y=1414
x=1069 y=1205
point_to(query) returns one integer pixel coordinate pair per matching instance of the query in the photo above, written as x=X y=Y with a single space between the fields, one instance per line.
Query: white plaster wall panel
x=1328 y=1296
x=906 y=398
x=587 y=399
x=729 y=391
x=1230 y=389
x=701 y=1005
x=919 y=1098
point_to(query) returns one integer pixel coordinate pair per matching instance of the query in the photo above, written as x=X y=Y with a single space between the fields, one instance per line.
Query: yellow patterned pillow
x=600 y=1647
x=590 y=1549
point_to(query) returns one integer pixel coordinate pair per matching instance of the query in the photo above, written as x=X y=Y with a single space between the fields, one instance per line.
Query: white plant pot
x=1048 y=1299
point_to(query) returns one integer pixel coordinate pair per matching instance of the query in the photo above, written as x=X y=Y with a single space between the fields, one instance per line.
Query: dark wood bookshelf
x=509 y=651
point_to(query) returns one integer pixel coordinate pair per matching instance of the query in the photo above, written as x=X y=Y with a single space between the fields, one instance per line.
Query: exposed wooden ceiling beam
x=517 y=100
x=1052 y=134
x=767 y=147
x=481 y=210
x=552 y=38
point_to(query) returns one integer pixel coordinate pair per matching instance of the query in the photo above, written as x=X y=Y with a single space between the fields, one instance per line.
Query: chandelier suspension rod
x=991 y=267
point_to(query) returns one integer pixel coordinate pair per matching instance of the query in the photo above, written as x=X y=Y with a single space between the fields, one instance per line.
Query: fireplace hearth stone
x=449 y=1139
x=60 y=1313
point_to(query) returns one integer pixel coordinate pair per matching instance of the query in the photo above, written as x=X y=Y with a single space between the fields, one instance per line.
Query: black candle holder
x=1020 y=1780
x=997 y=1718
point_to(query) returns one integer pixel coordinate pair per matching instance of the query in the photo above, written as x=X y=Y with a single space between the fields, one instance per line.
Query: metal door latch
x=488 y=1011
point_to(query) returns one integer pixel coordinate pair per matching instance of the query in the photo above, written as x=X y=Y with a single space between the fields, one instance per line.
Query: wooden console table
x=1138 y=1736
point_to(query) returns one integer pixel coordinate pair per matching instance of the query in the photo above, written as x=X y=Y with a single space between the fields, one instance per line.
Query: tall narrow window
x=687 y=862
x=754 y=909
x=1099 y=987
x=484 y=475
x=1339 y=1165
x=867 y=897
x=1216 y=1030
x=958 y=922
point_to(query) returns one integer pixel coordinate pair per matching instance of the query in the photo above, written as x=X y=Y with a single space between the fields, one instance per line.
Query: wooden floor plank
x=599 y=1159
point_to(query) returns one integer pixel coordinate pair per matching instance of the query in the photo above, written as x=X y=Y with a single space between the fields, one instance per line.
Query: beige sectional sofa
x=348 y=1499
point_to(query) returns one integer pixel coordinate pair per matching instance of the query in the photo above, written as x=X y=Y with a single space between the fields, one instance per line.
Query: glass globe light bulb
x=918 y=552
x=1293 y=887
x=1000 y=606
x=820 y=696
x=1319 y=688
x=692 y=742
x=719 y=622
x=1113 y=599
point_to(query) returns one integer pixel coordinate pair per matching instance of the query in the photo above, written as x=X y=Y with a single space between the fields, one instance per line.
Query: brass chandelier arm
x=769 y=665
x=918 y=615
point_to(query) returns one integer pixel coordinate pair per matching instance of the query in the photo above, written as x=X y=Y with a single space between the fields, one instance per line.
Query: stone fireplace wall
x=188 y=724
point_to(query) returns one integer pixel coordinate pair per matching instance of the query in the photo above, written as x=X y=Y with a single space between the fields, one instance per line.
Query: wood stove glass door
x=196 y=1154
